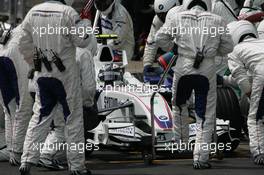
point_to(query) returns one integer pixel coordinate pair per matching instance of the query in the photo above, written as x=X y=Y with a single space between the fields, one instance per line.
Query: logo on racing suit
x=106 y=24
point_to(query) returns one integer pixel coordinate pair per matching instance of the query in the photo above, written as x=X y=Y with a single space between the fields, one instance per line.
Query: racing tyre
x=228 y=108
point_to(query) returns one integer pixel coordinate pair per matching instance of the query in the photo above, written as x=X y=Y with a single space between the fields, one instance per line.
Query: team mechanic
x=195 y=68
x=115 y=19
x=15 y=97
x=50 y=157
x=227 y=9
x=247 y=59
x=57 y=79
x=162 y=8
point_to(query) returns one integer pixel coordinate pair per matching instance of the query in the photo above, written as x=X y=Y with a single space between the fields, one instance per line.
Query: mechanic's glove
x=152 y=74
x=219 y=80
x=201 y=165
x=259 y=159
x=152 y=71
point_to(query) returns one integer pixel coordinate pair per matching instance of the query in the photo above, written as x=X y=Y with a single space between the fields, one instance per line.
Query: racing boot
x=25 y=168
x=50 y=164
x=15 y=159
x=259 y=159
x=86 y=172
x=201 y=165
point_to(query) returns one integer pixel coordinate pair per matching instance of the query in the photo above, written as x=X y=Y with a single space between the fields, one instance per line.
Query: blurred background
x=18 y=8
x=141 y=12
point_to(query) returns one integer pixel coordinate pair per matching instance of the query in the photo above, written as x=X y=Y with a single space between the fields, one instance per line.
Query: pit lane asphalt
x=121 y=163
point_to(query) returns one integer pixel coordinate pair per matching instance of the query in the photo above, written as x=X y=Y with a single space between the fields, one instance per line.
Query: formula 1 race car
x=124 y=110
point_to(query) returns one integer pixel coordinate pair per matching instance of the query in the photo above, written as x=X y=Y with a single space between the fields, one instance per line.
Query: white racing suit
x=234 y=5
x=224 y=9
x=151 y=47
x=16 y=99
x=261 y=30
x=187 y=78
x=250 y=5
x=245 y=9
x=248 y=57
x=218 y=8
x=120 y=23
x=57 y=90
x=84 y=58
